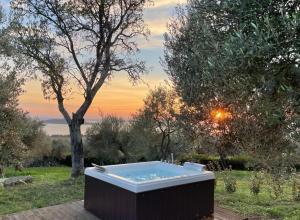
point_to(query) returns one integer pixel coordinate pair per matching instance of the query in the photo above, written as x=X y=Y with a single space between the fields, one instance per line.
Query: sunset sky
x=118 y=96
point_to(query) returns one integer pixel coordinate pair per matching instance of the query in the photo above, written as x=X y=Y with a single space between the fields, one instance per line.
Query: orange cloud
x=118 y=97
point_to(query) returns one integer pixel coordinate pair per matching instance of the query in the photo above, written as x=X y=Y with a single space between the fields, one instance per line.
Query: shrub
x=277 y=187
x=278 y=172
x=60 y=148
x=107 y=140
x=229 y=180
x=239 y=162
x=275 y=183
x=43 y=162
x=214 y=166
x=255 y=182
x=67 y=161
x=296 y=187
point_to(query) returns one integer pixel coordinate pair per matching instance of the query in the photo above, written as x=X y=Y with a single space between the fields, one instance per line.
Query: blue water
x=146 y=174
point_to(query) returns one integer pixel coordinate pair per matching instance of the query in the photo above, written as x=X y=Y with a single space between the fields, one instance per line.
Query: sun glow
x=219 y=115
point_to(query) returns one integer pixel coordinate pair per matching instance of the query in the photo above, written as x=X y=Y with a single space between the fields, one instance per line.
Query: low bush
x=214 y=166
x=229 y=180
x=66 y=161
x=275 y=184
x=296 y=187
x=87 y=161
x=256 y=181
x=43 y=162
x=240 y=162
x=60 y=148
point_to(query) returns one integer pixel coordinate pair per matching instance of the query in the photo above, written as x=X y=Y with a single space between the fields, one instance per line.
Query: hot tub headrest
x=194 y=166
x=98 y=168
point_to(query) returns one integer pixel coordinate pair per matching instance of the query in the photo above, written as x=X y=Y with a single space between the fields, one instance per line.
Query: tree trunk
x=168 y=151
x=223 y=160
x=162 y=150
x=76 y=147
x=1 y=171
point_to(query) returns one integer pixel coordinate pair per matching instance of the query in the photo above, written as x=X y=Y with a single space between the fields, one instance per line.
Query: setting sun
x=220 y=114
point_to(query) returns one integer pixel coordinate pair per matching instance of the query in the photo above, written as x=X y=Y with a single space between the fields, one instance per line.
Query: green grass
x=247 y=204
x=53 y=186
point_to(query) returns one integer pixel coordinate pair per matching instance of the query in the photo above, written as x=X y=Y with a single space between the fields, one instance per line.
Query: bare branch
x=97 y=38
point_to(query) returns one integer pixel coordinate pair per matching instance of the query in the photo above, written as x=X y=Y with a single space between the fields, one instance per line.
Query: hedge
x=240 y=162
x=236 y=162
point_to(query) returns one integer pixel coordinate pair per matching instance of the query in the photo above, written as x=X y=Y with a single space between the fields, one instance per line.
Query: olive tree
x=11 y=145
x=21 y=138
x=158 y=115
x=83 y=42
x=107 y=140
x=12 y=148
x=35 y=138
x=242 y=57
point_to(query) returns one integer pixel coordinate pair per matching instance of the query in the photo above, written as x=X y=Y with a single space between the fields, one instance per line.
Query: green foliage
x=153 y=132
x=296 y=187
x=200 y=158
x=275 y=185
x=143 y=140
x=11 y=146
x=21 y=138
x=241 y=56
x=233 y=46
x=157 y=120
x=264 y=206
x=36 y=140
x=229 y=180
x=18 y=133
x=256 y=181
x=107 y=140
x=238 y=162
x=276 y=173
x=60 y=148
x=214 y=166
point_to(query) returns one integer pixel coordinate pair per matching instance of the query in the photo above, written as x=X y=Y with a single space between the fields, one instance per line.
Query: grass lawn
x=53 y=186
x=243 y=202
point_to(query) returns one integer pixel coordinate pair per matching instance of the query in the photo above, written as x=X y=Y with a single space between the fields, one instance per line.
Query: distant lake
x=62 y=129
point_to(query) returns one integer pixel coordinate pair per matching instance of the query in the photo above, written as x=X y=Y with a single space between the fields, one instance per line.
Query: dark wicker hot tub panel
x=107 y=201
x=184 y=202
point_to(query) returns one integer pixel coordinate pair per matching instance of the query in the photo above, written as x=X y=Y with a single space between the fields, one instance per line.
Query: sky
x=118 y=96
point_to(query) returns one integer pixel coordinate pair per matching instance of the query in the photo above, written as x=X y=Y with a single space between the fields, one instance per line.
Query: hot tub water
x=146 y=174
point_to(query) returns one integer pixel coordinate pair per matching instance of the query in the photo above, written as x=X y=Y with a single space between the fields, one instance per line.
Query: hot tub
x=149 y=191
